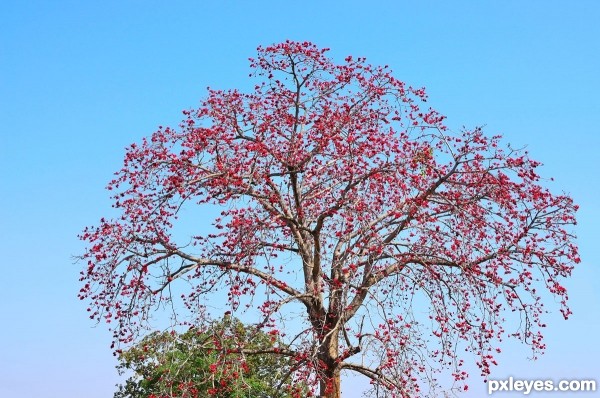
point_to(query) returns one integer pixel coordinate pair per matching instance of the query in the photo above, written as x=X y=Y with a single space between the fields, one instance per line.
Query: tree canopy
x=344 y=216
x=198 y=364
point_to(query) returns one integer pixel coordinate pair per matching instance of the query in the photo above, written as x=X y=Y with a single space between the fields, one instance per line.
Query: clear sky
x=80 y=80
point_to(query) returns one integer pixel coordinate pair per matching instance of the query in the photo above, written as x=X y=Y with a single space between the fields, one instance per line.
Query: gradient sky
x=80 y=80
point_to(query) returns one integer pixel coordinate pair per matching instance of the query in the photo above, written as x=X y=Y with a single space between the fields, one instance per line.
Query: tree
x=197 y=364
x=363 y=232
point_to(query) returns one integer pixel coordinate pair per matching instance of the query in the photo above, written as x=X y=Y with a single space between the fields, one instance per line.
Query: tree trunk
x=331 y=386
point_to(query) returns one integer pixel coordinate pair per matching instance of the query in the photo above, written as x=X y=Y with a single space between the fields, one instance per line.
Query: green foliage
x=222 y=361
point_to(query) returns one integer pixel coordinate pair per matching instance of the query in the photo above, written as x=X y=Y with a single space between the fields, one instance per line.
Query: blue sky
x=81 y=80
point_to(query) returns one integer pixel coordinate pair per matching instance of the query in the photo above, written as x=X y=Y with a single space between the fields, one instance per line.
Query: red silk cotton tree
x=343 y=218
